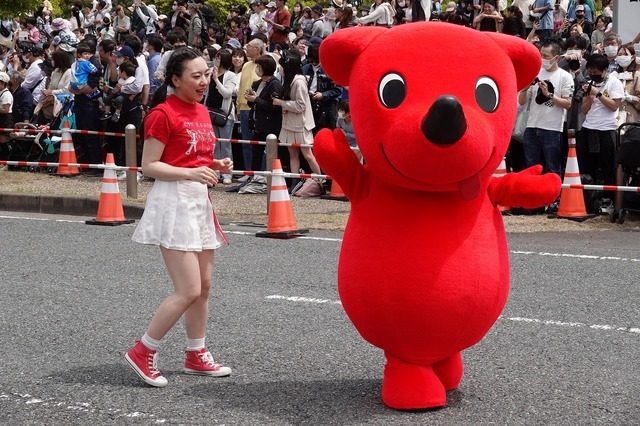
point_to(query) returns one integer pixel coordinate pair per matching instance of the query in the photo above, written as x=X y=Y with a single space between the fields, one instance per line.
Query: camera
x=536 y=81
x=580 y=91
x=275 y=95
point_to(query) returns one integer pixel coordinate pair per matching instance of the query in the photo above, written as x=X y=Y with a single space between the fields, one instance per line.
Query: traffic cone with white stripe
x=500 y=172
x=67 y=154
x=110 y=211
x=281 y=222
x=572 y=199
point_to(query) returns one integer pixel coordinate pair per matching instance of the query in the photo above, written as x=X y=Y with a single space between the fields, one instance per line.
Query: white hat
x=271 y=4
x=4 y=77
x=451 y=6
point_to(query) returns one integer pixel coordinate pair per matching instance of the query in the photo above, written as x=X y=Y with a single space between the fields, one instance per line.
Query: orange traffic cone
x=281 y=222
x=572 y=199
x=67 y=154
x=110 y=210
x=500 y=172
x=336 y=193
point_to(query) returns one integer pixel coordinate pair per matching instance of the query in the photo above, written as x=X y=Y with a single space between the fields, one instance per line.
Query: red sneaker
x=144 y=362
x=201 y=362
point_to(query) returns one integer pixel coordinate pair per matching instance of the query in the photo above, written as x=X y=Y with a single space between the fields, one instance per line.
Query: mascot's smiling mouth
x=469 y=187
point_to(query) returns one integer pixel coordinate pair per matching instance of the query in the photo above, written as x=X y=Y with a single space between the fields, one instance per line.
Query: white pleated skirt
x=179 y=216
x=288 y=136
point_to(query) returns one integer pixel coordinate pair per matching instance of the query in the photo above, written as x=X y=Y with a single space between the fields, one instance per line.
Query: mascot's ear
x=339 y=51
x=524 y=56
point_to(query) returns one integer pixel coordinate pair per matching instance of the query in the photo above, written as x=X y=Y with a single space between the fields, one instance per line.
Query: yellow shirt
x=247 y=78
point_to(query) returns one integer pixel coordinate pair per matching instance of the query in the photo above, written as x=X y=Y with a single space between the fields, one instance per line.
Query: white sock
x=149 y=342
x=195 y=344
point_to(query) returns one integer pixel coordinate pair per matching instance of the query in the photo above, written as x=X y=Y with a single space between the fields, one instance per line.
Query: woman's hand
x=278 y=102
x=224 y=166
x=204 y=175
x=250 y=98
x=46 y=92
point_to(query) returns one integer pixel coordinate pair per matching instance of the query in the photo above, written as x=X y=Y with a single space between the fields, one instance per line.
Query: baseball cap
x=234 y=43
x=124 y=51
x=271 y=4
x=579 y=7
x=451 y=6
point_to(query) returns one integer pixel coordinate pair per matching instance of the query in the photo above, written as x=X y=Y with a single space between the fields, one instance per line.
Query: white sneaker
x=226 y=181
x=122 y=175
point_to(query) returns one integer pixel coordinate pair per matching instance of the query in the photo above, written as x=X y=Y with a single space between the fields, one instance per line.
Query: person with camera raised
x=549 y=98
x=596 y=148
x=542 y=11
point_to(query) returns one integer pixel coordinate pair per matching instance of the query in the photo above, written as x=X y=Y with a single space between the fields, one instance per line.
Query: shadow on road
x=349 y=401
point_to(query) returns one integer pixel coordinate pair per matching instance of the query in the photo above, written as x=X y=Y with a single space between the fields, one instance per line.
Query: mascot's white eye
x=392 y=90
x=487 y=94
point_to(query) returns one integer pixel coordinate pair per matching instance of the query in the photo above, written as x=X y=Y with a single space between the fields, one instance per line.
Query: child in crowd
x=345 y=124
x=127 y=72
x=82 y=68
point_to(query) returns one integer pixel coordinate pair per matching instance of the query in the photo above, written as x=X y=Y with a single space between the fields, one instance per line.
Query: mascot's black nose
x=445 y=123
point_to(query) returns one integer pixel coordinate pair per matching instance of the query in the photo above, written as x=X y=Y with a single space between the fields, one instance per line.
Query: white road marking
x=339 y=240
x=633 y=330
x=86 y=407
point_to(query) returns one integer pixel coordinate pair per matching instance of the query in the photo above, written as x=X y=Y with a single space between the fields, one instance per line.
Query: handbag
x=521 y=123
x=218 y=116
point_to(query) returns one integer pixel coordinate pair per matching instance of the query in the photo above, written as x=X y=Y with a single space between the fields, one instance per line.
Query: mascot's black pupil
x=486 y=97
x=393 y=93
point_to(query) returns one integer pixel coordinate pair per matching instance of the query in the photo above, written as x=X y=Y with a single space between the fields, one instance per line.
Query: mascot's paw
x=410 y=386
x=450 y=371
x=528 y=188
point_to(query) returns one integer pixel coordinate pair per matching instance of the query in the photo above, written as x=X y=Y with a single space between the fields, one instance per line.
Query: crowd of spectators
x=109 y=60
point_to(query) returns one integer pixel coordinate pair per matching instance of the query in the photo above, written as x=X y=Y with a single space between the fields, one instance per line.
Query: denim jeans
x=246 y=134
x=223 y=149
x=543 y=147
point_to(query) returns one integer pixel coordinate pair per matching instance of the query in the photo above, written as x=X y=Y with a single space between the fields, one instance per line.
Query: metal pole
x=131 y=160
x=272 y=154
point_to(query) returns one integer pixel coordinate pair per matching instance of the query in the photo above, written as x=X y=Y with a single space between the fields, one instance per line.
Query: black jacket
x=266 y=117
x=22 y=105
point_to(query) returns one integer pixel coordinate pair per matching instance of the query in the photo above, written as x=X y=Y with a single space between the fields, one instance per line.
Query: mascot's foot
x=411 y=386
x=450 y=371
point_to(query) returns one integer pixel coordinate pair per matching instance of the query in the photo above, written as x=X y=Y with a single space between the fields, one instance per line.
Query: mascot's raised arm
x=424 y=266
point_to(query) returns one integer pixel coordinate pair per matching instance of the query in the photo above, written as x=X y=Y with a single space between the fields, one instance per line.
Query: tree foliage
x=11 y=8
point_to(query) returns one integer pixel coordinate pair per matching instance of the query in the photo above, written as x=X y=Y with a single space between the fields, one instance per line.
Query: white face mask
x=610 y=50
x=573 y=53
x=623 y=60
x=259 y=72
x=296 y=9
x=547 y=64
x=216 y=63
x=24 y=58
x=174 y=8
x=341 y=114
x=119 y=61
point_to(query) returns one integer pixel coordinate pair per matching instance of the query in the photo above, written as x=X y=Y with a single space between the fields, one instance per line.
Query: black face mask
x=579 y=16
x=596 y=78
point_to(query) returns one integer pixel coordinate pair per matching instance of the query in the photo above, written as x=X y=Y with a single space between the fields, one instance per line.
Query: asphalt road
x=73 y=298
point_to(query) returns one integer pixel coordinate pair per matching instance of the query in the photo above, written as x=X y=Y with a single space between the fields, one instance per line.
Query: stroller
x=628 y=173
x=40 y=147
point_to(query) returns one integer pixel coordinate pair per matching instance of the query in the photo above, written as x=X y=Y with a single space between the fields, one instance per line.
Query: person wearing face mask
x=610 y=46
x=597 y=145
x=33 y=55
x=599 y=32
x=254 y=48
x=630 y=78
x=297 y=15
x=179 y=17
x=579 y=19
x=549 y=98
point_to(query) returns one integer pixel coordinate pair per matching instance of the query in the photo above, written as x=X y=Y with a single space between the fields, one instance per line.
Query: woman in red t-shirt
x=178 y=153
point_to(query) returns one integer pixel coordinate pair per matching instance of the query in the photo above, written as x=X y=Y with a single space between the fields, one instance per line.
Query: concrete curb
x=58 y=204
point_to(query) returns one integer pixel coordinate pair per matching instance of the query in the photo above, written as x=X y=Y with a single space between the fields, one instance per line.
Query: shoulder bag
x=521 y=123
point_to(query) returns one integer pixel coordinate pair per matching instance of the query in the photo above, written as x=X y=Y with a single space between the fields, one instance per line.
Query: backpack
x=204 y=31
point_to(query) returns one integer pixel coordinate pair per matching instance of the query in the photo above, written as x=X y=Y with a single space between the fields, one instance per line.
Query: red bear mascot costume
x=424 y=268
